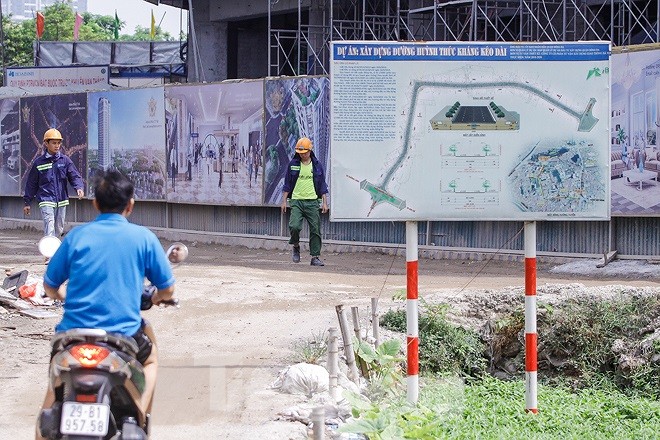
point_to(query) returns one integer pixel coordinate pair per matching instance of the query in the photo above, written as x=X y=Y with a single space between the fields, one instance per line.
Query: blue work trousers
x=53 y=219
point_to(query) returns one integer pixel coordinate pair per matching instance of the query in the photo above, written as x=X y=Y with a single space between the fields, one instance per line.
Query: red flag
x=76 y=26
x=41 y=21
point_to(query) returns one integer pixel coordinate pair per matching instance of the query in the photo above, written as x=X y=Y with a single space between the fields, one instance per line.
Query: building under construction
x=286 y=37
x=228 y=40
x=272 y=38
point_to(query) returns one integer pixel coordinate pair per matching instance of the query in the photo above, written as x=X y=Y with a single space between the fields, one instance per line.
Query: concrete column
x=207 y=62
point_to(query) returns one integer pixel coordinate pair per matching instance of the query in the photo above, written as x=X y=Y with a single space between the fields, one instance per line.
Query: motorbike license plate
x=84 y=418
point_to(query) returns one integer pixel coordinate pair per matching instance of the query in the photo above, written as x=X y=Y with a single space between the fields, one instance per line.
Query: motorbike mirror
x=48 y=245
x=177 y=252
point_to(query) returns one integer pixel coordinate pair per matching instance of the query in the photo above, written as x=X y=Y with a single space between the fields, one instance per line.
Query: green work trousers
x=309 y=210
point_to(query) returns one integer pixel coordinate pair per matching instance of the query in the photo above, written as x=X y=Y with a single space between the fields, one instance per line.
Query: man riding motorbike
x=105 y=278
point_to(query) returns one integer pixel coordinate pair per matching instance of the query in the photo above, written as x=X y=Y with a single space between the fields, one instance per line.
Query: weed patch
x=310 y=350
x=584 y=341
x=443 y=347
x=590 y=341
x=494 y=409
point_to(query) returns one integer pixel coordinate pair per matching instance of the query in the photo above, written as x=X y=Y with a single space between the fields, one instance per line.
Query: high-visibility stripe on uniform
x=45 y=166
x=54 y=204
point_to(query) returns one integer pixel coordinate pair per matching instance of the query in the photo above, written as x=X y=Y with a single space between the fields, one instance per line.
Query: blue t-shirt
x=106 y=262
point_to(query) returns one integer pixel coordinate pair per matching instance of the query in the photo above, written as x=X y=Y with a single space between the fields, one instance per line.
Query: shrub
x=591 y=341
x=443 y=346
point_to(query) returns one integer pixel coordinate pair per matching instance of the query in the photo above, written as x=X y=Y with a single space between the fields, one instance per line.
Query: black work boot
x=316 y=261
x=295 y=254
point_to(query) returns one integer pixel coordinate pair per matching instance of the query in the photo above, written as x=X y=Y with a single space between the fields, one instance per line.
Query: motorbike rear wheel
x=131 y=431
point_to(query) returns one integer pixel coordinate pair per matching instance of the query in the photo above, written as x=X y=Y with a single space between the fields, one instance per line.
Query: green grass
x=599 y=377
x=493 y=409
x=577 y=343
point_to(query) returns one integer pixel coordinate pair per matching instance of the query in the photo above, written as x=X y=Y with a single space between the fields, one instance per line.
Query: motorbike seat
x=125 y=344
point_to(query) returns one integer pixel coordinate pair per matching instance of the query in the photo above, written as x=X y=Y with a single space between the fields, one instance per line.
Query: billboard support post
x=412 y=326
x=530 y=319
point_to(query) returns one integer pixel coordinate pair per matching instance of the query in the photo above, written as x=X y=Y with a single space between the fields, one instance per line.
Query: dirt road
x=242 y=311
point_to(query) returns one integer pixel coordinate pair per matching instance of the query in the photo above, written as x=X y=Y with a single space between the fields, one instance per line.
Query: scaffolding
x=306 y=49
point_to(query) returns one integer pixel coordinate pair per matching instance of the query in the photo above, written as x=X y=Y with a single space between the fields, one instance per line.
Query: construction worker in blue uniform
x=47 y=182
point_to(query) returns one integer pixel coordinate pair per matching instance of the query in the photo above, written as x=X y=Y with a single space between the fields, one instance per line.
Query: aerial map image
x=565 y=180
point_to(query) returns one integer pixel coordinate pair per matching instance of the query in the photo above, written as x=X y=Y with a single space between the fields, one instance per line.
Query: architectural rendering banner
x=214 y=143
x=295 y=108
x=127 y=133
x=634 y=131
x=11 y=147
x=470 y=131
x=68 y=114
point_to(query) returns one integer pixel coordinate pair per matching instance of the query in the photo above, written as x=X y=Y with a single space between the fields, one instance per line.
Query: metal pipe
x=531 y=404
x=2 y=47
x=412 y=314
x=268 y=39
x=332 y=24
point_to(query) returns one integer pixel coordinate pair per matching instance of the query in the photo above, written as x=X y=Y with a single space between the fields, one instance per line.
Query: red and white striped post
x=530 y=319
x=412 y=322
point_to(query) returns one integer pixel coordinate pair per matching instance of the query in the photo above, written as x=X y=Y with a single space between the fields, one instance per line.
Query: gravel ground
x=244 y=309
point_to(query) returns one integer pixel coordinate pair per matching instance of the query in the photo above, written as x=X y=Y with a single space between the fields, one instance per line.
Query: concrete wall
x=209 y=63
x=239 y=29
x=252 y=53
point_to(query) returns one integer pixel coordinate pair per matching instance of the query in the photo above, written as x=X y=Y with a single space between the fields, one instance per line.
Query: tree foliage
x=144 y=34
x=98 y=27
x=17 y=44
x=59 y=20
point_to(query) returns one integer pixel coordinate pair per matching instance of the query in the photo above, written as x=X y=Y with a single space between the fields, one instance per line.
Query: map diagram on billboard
x=565 y=178
x=483 y=140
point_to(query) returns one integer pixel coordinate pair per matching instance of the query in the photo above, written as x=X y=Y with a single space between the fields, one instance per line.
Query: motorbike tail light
x=88 y=355
x=86 y=398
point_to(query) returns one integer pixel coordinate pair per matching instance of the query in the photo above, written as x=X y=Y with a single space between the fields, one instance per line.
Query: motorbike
x=97 y=378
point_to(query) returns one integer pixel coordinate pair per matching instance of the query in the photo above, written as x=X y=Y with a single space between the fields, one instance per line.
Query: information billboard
x=76 y=77
x=470 y=131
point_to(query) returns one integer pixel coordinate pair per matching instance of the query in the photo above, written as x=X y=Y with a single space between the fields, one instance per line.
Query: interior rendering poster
x=295 y=108
x=470 y=131
x=68 y=114
x=11 y=148
x=214 y=143
x=635 y=156
x=127 y=133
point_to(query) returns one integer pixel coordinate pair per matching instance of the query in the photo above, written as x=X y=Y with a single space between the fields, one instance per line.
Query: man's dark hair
x=112 y=191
